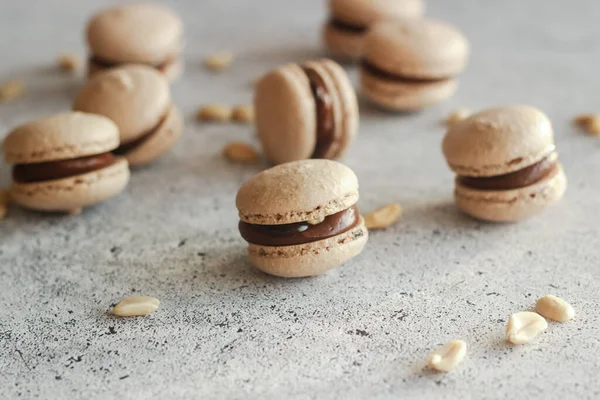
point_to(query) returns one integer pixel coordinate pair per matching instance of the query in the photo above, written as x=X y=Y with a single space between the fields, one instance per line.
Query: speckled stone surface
x=224 y=330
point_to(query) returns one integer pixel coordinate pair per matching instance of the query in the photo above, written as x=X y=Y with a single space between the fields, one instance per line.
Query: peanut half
x=554 y=308
x=445 y=358
x=218 y=61
x=384 y=216
x=240 y=153
x=524 y=326
x=135 y=306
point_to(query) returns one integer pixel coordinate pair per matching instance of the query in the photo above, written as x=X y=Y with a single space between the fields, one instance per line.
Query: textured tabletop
x=225 y=330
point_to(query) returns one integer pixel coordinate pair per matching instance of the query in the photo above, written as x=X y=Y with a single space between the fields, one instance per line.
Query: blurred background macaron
x=506 y=163
x=349 y=20
x=306 y=111
x=136 y=33
x=300 y=218
x=138 y=99
x=64 y=162
x=411 y=64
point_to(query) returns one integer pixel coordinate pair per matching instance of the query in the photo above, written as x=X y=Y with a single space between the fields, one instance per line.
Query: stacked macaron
x=64 y=162
x=300 y=218
x=135 y=34
x=412 y=64
x=350 y=20
x=305 y=111
x=138 y=99
x=506 y=163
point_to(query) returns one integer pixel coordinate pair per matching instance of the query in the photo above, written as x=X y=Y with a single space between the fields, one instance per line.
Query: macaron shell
x=135 y=97
x=498 y=141
x=73 y=192
x=60 y=137
x=511 y=205
x=297 y=191
x=417 y=48
x=171 y=71
x=309 y=259
x=159 y=142
x=345 y=105
x=142 y=33
x=365 y=12
x=286 y=114
x=402 y=96
x=343 y=45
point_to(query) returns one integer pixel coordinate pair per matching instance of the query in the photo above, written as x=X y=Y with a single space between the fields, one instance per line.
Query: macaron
x=64 y=162
x=135 y=34
x=137 y=98
x=411 y=64
x=306 y=111
x=349 y=21
x=300 y=218
x=506 y=163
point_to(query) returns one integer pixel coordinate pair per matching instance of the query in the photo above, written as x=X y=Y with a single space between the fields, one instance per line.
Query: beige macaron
x=411 y=64
x=506 y=163
x=306 y=111
x=136 y=34
x=300 y=218
x=350 y=20
x=137 y=98
x=64 y=162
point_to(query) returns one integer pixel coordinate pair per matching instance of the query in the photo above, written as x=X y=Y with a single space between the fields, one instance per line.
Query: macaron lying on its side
x=349 y=21
x=64 y=162
x=305 y=111
x=137 y=98
x=300 y=218
x=506 y=163
x=411 y=64
x=135 y=34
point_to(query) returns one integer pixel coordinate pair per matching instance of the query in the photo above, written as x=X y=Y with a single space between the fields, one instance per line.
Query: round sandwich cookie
x=137 y=98
x=349 y=21
x=300 y=218
x=135 y=34
x=506 y=163
x=64 y=162
x=411 y=64
x=306 y=111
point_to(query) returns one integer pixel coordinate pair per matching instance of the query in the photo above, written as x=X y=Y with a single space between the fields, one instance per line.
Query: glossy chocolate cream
x=346 y=27
x=325 y=119
x=125 y=148
x=514 y=180
x=374 y=70
x=300 y=232
x=52 y=170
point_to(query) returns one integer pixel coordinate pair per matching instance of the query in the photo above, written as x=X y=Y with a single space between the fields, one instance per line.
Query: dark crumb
x=124 y=377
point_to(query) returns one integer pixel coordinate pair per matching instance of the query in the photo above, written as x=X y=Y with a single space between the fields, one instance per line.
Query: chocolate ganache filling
x=103 y=63
x=514 y=180
x=300 y=232
x=382 y=74
x=125 y=148
x=51 y=170
x=325 y=120
x=345 y=26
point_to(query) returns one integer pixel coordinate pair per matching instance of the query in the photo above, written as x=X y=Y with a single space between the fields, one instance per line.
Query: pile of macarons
x=300 y=217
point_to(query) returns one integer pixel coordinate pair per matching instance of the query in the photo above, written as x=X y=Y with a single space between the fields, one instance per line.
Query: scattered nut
x=11 y=90
x=445 y=358
x=554 y=308
x=4 y=201
x=68 y=62
x=243 y=113
x=218 y=61
x=214 y=113
x=457 y=115
x=240 y=153
x=383 y=217
x=589 y=122
x=524 y=326
x=135 y=306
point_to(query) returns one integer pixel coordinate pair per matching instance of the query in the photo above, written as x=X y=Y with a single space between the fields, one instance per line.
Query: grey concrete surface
x=226 y=331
